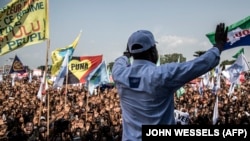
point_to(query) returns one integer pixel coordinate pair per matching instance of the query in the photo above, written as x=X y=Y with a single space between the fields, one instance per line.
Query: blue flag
x=17 y=66
x=58 y=55
x=97 y=77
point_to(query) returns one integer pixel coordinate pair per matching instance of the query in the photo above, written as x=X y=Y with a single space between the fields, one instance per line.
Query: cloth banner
x=23 y=23
x=238 y=34
x=80 y=68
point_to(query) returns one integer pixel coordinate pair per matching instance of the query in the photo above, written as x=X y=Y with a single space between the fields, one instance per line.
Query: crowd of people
x=83 y=117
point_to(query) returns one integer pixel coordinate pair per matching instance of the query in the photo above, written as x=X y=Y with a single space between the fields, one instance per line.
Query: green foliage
x=175 y=57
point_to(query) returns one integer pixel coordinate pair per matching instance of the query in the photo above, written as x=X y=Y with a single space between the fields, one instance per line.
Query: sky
x=179 y=26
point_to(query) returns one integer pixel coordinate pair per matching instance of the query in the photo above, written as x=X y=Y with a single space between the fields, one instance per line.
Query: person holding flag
x=146 y=90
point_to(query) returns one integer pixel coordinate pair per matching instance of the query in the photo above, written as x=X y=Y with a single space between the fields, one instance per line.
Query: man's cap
x=144 y=38
x=42 y=118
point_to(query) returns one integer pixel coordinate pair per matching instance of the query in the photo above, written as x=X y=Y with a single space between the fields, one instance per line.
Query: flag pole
x=66 y=85
x=48 y=94
x=46 y=68
x=87 y=106
x=44 y=89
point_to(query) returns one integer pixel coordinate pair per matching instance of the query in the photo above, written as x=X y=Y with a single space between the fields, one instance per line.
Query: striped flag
x=58 y=55
x=238 y=34
x=63 y=72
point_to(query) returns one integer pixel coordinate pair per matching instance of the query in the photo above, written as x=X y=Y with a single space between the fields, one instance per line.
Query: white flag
x=39 y=94
x=218 y=75
x=239 y=66
x=13 y=80
x=231 y=89
x=30 y=77
x=216 y=112
x=205 y=79
x=1 y=77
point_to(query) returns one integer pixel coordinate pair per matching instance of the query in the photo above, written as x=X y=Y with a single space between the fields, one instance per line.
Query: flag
x=218 y=75
x=180 y=92
x=200 y=87
x=58 y=55
x=211 y=84
x=238 y=53
x=43 y=87
x=206 y=78
x=81 y=66
x=97 y=77
x=17 y=66
x=13 y=80
x=26 y=23
x=30 y=77
x=110 y=75
x=238 y=34
x=239 y=66
x=63 y=71
x=231 y=89
x=216 y=111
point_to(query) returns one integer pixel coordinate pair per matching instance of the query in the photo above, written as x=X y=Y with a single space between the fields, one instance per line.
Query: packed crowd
x=78 y=116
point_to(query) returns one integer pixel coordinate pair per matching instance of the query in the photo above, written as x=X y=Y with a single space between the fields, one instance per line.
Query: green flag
x=238 y=34
x=241 y=51
x=180 y=92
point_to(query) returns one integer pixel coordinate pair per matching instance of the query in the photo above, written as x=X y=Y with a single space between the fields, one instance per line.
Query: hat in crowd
x=144 y=38
x=11 y=98
x=42 y=118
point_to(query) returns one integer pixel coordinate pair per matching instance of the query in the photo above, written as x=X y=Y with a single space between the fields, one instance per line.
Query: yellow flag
x=23 y=23
x=57 y=56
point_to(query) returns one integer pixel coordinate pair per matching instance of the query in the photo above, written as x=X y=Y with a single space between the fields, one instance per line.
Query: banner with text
x=23 y=23
x=80 y=68
x=238 y=34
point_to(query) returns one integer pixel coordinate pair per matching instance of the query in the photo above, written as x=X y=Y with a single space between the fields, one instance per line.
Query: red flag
x=80 y=68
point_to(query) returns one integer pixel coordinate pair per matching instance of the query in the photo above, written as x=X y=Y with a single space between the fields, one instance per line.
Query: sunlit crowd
x=77 y=116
